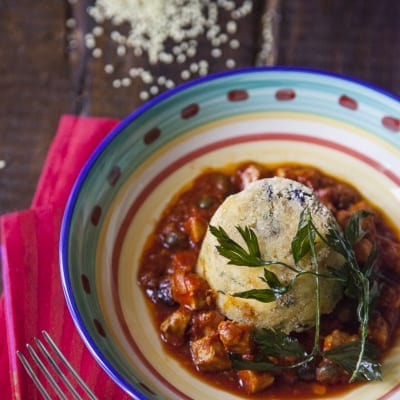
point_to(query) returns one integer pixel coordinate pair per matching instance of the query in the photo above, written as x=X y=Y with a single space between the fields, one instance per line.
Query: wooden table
x=46 y=68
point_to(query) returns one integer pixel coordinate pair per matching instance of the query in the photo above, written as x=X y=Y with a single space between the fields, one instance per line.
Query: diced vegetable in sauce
x=205 y=341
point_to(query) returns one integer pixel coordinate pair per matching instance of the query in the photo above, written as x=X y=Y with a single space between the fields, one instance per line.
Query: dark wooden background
x=46 y=69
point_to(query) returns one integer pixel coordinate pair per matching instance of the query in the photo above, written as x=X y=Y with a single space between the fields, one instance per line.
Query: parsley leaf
x=358 y=358
x=301 y=244
x=260 y=365
x=274 y=283
x=276 y=289
x=234 y=252
x=272 y=343
x=347 y=356
x=278 y=344
x=358 y=285
x=263 y=295
x=353 y=231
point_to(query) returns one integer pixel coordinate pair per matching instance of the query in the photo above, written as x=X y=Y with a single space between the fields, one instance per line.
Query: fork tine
x=56 y=368
x=46 y=372
x=68 y=365
x=33 y=376
x=47 y=351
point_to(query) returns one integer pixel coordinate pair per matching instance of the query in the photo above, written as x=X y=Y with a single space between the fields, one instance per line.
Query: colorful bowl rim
x=125 y=122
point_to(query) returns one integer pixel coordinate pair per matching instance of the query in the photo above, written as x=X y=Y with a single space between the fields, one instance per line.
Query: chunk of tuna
x=254 y=381
x=208 y=354
x=236 y=337
x=205 y=323
x=174 y=327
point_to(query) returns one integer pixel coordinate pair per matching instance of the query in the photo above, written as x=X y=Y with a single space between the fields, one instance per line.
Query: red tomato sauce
x=169 y=259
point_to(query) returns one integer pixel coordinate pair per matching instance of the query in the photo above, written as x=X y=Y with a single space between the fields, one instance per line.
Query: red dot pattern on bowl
x=85 y=284
x=190 y=111
x=391 y=123
x=96 y=214
x=285 y=94
x=147 y=388
x=114 y=175
x=152 y=135
x=348 y=102
x=99 y=327
x=238 y=95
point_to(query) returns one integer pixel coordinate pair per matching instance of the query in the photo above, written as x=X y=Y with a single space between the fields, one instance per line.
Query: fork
x=45 y=353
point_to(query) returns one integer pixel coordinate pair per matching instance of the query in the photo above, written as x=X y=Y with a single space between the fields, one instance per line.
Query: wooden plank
x=357 y=38
x=35 y=90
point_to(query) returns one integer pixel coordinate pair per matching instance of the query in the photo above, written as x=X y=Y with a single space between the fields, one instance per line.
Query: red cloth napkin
x=33 y=299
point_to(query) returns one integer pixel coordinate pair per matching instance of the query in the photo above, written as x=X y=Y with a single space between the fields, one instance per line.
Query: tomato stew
x=183 y=306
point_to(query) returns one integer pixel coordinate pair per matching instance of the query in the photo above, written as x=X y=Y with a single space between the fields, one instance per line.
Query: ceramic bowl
x=345 y=127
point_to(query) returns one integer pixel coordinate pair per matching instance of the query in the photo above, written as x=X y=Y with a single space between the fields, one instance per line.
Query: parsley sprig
x=358 y=358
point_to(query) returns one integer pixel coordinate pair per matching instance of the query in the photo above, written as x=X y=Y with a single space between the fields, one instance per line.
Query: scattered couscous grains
x=109 y=68
x=230 y=63
x=166 y=32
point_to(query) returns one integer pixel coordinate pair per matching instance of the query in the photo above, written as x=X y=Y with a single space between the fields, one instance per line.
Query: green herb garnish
x=234 y=252
x=278 y=344
x=358 y=358
x=347 y=356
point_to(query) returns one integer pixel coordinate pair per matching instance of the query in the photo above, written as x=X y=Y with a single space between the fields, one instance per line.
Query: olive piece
x=306 y=372
x=174 y=239
x=205 y=202
x=222 y=183
x=164 y=292
x=328 y=373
